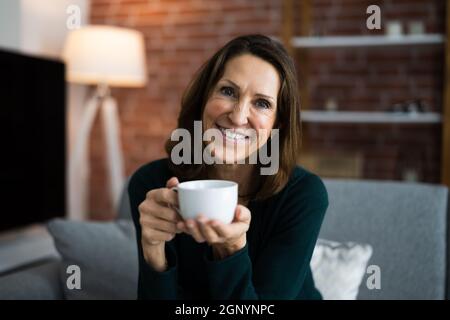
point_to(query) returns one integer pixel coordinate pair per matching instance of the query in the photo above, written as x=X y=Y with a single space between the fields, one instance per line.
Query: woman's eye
x=228 y=91
x=263 y=104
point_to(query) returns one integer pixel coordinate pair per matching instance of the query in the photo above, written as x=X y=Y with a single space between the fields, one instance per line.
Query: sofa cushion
x=338 y=268
x=106 y=254
x=37 y=282
x=405 y=223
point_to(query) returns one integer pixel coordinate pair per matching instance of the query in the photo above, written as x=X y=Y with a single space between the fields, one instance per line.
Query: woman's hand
x=225 y=239
x=158 y=222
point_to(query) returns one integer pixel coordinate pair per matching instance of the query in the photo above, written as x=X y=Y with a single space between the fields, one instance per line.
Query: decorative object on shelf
x=410 y=175
x=396 y=108
x=107 y=57
x=394 y=29
x=331 y=104
x=416 y=27
x=423 y=107
x=411 y=107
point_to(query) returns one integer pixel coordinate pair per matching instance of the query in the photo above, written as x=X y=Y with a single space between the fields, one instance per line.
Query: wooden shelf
x=318 y=116
x=304 y=41
x=364 y=41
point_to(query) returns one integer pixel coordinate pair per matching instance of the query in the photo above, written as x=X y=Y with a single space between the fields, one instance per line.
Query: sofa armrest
x=41 y=282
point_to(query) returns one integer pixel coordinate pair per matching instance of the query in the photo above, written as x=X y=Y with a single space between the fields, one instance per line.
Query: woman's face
x=241 y=105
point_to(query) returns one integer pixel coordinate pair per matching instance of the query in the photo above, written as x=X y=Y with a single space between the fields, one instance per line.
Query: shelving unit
x=366 y=41
x=304 y=42
x=369 y=117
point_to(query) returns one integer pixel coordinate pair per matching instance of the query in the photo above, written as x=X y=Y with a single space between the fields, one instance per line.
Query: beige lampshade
x=104 y=54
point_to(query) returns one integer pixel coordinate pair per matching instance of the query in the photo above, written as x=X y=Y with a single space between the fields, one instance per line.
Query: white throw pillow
x=338 y=268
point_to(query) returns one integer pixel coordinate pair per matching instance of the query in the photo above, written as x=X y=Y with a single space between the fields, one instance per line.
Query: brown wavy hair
x=288 y=108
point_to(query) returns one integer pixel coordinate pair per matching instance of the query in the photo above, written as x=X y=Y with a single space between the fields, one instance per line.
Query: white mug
x=215 y=199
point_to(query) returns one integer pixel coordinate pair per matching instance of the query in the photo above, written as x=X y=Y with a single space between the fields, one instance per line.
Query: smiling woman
x=235 y=104
x=247 y=88
x=250 y=83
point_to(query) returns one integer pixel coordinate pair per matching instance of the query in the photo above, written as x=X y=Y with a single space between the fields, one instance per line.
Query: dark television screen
x=32 y=139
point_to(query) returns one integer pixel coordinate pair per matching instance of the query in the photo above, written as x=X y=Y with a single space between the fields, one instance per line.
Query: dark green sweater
x=273 y=265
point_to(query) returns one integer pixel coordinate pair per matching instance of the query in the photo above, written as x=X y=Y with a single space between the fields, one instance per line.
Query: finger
x=194 y=230
x=208 y=232
x=150 y=235
x=159 y=211
x=172 y=182
x=161 y=225
x=177 y=210
x=182 y=227
x=242 y=214
x=229 y=231
x=223 y=230
x=179 y=230
x=164 y=196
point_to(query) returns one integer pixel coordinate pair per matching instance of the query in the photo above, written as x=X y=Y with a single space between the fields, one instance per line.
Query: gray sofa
x=406 y=224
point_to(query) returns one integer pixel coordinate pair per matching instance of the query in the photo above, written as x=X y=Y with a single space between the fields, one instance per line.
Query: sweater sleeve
x=151 y=283
x=283 y=264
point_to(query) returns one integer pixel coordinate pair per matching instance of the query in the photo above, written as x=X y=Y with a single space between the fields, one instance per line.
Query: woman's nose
x=239 y=115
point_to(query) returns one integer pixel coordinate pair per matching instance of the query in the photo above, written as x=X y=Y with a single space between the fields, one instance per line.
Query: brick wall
x=374 y=79
x=182 y=34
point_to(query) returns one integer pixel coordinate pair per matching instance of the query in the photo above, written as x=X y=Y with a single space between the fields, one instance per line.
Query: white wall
x=10 y=24
x=43 y=24
x=38 y=27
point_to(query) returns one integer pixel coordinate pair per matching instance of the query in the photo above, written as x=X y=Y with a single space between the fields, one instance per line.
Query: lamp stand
x=79 y=168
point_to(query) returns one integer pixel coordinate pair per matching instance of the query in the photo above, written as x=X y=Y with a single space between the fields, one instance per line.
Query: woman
x=249 y=84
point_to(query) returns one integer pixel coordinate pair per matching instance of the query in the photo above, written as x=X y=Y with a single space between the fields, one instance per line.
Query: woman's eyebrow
x=258 y=94
x=264 y=96
x=232 y=83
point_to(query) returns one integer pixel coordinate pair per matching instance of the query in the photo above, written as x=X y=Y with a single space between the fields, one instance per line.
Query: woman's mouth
x=232 y=135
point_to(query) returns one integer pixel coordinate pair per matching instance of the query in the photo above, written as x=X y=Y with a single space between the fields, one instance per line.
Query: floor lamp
x=106 y=57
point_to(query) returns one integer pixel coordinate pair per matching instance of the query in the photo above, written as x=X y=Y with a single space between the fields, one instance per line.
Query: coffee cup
x=214 y=199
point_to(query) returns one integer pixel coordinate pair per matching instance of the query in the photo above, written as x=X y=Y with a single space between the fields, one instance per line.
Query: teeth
x=232 y=135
